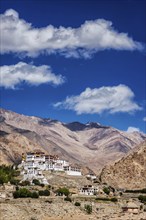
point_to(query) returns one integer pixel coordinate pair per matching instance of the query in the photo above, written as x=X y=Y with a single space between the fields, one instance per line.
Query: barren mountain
x=129 y=172
x=91 y=144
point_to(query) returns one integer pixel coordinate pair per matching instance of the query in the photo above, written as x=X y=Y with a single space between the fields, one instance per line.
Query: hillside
x=90 y=144
x=129 y=172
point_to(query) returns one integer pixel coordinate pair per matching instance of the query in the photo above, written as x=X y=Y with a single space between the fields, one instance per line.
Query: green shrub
x=44 y=192
x=142 y=198
x=106 y=190
x=14 y=181
x=77 y=204
x=136 y=191
x=16 y=194
x=36 y=182
x=67 y=199
x=114 y=199
x=24 y=193
x=107 y=199
x=34 y=195
x=25 y=183
x=62 y=191
x=88 y=209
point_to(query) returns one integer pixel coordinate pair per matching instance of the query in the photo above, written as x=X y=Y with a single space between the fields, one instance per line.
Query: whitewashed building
x=72 y=171
x=33 y=163
x=88 y=190
x=91 y=176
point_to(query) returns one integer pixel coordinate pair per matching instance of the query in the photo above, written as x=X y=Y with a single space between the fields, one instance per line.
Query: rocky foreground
x=42 y=209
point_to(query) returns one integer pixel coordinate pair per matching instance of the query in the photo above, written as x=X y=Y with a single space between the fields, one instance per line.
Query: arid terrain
x=129 y=172
x=31 y=209
x=120 y=156
x=89 y=145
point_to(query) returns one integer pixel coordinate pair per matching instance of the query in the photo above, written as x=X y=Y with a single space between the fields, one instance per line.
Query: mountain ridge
x=90 y=144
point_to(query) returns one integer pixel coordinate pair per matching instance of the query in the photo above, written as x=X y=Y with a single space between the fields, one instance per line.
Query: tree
x=36 y=182
x=44 y=192
x=24 y=193
x=7 y=174
x=106 y=190
x=62 y=191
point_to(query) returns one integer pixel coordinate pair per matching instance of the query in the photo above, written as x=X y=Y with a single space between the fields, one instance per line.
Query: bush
x=14 y=181
x=25 y=183
x=16 y=194
x=107 y=199
x=88 y=209
x=24 y=193
x=136 y=191
x=106 y=190
x=44 y=192
x=77 y=204
x=62 y=191
x=36 y=182
x=114 y=199
x=67 y=199
x=34 y=195
x=142 y=198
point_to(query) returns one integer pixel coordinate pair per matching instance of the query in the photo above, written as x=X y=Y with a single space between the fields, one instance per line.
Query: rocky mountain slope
x=90 y=144
x=129 y=172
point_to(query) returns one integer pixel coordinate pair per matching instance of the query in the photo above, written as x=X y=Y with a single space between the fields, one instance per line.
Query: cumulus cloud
x=132 y=129
x=13 y=75
x=144 y=119
x=104 y=99
x=19 y=36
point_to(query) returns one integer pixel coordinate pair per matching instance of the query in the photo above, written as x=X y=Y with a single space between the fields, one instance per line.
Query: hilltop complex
x=33 y=163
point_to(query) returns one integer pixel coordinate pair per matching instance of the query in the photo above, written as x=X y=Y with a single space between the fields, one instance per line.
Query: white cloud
x=19 y=36
x=144 y=119
x=132 y=129
x=104 y=99
x=13 y=75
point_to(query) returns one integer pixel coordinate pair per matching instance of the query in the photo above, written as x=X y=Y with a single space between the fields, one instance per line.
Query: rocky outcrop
x=129 y=172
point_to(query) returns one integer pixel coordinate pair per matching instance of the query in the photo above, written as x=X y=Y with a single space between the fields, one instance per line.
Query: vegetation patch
x=8 y=174
x=68 y=199
x=77 y=204
x=107 y=199
x=142 y=198
x=62 y=191
x=25 y=193
x=88 y=208
x=44 y=192
x=106 y=190
x=136 y=191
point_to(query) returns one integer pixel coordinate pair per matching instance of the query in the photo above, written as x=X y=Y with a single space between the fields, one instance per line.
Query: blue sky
x=75 y=60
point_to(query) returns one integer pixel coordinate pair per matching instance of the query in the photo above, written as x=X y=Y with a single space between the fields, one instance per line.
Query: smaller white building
x=88 y=190
x=91 y=176
x=72 y=171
